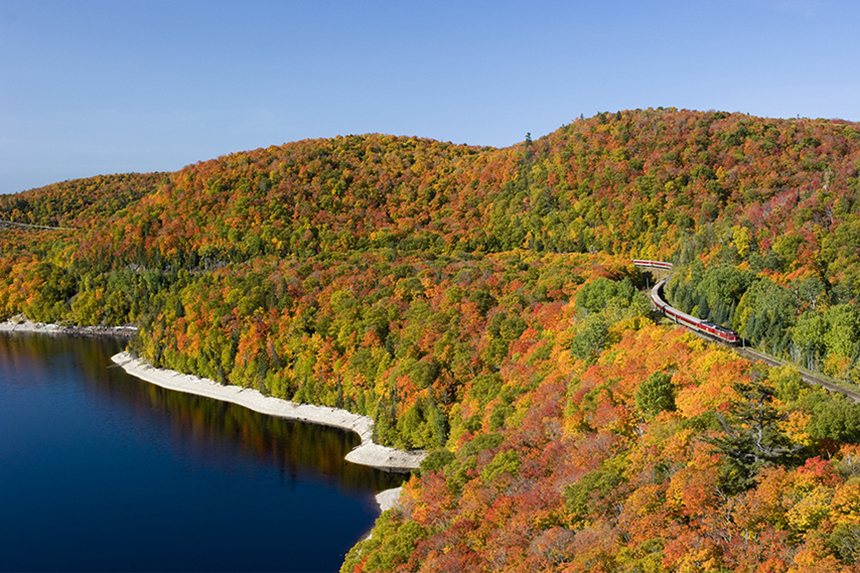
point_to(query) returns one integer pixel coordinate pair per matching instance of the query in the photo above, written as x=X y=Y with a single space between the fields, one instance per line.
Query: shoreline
x=389 y=498
x=56 y=329
x=367 y=453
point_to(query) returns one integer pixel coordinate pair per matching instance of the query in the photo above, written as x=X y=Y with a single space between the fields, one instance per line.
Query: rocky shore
x=389 y=499
x=367 y=453
x=40 y=327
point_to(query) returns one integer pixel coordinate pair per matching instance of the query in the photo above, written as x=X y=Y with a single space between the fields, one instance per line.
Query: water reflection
x=202 y=427
x=114 y=473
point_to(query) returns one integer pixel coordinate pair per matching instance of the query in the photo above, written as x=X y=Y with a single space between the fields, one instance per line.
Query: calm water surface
x=101 y=471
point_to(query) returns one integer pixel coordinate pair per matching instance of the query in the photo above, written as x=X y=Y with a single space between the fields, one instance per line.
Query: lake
x=101 y=471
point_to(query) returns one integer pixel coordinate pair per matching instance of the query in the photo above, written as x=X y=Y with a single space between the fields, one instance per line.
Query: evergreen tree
x=751 y=437
x=656 y=394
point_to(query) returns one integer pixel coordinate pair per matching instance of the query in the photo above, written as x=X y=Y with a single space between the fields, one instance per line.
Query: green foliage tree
x=808 y=337
x=390 y=547
x=507 y=461
x=590 y=340
x=843 y=329
x=845 y=541
x=423 y=426
x=596 y=295
x=834 y=418
x=656 y=394
x=435 y=460
x=765 y=314
x=584 y=498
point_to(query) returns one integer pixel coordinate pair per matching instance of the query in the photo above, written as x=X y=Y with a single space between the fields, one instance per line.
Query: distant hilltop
x=613 y=182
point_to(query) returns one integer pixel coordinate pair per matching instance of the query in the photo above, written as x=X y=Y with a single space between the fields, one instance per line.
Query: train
x=705 y=327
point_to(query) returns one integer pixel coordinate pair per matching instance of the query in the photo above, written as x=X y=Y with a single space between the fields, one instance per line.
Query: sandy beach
x=389 y=498
x=41 y=327
x=367 y=453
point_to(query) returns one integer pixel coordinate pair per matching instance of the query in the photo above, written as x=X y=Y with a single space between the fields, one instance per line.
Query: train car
x=697 y=324
x=653 y=264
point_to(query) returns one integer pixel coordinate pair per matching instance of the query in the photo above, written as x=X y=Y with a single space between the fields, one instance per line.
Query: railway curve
x=713 y=331
x=703 y=327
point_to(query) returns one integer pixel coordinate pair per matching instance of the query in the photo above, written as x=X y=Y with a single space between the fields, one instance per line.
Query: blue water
x=100 y=471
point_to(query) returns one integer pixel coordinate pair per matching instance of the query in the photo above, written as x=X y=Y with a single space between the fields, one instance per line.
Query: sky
x=100 y=87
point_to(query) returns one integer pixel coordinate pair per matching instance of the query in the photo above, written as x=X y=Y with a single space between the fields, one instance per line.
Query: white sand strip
x=367 y=453
x=27 y=326
x=41 y=327
x=389 y=499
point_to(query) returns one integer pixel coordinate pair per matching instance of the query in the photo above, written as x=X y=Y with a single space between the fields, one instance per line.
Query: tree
x=590 y=340
x=808 y=337
x=751 y=437
x=843 y=321
x=596 y=295
x=656 y=394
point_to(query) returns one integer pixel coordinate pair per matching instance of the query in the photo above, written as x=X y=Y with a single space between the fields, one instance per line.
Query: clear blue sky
x=91 y=87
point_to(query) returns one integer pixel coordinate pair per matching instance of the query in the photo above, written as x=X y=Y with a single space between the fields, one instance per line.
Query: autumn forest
x=481 y=304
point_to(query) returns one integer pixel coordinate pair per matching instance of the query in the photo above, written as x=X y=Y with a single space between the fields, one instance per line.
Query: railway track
x=808 y=377
x=728 y=337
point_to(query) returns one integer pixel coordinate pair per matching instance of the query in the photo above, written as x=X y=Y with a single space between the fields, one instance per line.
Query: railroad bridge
x=14 y=225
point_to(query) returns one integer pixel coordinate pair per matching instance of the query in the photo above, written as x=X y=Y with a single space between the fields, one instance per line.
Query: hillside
x=481 y=303
x=81 y=202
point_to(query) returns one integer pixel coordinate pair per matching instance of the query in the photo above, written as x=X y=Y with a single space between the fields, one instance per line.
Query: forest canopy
x=481 y=304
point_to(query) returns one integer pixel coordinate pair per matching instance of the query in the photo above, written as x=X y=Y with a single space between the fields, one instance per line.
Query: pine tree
x=751 y=437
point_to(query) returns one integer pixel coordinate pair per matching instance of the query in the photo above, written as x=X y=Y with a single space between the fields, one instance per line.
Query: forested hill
x=481 y=303
x=625 y=182
x=80 y=203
